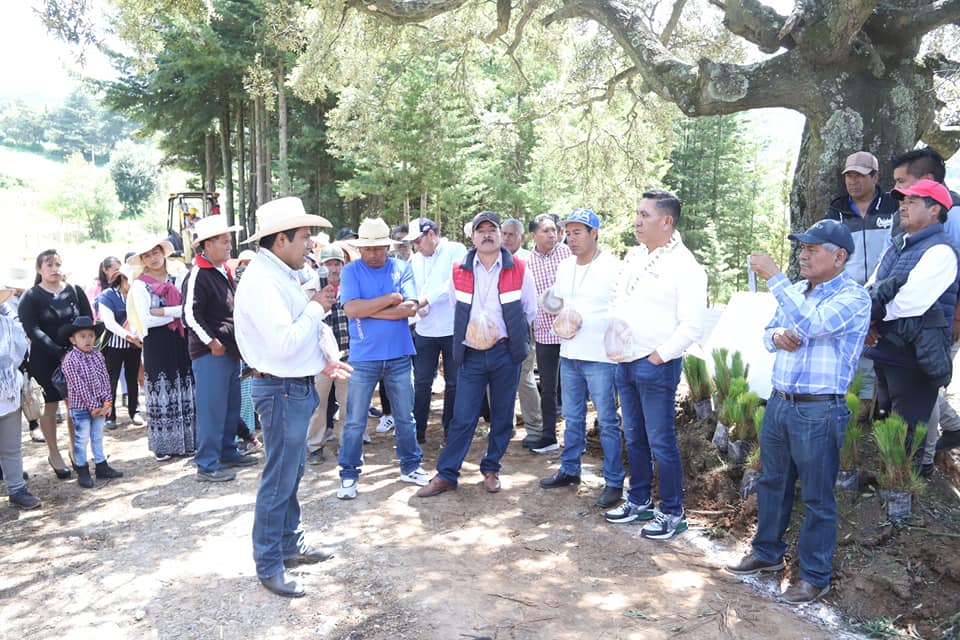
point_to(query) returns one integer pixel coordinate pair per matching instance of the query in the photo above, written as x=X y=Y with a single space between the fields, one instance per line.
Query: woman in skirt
x=155 y=301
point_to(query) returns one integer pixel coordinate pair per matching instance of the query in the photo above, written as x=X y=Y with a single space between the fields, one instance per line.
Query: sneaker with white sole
x=366 y=438
x=664 y=526
x=137 y=419
x=418 y=477
x=385 y=424
x=348 y=489
x=629 y=512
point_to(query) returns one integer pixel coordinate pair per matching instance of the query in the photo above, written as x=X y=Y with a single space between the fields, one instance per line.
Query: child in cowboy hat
x=89 y=398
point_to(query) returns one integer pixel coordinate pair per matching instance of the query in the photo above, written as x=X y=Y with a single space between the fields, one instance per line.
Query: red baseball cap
x=926 y=189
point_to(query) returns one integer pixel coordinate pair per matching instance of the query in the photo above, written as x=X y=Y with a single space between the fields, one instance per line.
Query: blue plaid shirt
x=832 y=322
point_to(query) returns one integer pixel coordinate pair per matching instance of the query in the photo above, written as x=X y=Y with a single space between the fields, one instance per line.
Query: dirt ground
x=158 y=555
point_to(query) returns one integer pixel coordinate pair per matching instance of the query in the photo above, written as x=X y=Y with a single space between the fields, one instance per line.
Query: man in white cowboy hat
x=208 y=314
x=282 y=336
x=379 y=296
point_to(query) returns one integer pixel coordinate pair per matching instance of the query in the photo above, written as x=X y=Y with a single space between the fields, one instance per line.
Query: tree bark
x=284 y=167
x=208 y=174
x=227 y=161
x=241 y=170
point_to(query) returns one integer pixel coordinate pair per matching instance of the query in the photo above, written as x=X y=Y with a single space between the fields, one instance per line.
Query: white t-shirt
x=588 y=289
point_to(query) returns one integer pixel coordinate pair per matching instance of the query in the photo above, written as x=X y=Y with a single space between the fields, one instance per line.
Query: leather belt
x=495 y=344
x=807 y=397
x=269 y=376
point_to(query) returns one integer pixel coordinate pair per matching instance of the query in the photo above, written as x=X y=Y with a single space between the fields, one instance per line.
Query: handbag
x=59 y=381
x=31 y=399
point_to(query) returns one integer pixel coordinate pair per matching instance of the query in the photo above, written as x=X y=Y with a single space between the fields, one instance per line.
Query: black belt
x=807 y=397
x=269 y=376
x=498 y=342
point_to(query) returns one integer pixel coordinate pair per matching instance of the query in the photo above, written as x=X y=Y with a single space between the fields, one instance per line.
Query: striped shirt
x=544 y=271
x=832 y=320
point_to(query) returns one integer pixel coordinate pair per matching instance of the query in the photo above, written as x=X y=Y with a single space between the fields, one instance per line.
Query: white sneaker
x=366 y=438
x=418 y=476
x=137 y=419
x=348 y=489
x=386 y=423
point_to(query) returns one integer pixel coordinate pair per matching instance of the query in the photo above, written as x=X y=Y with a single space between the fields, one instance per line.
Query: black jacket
x=871 y=233
x=208 y=308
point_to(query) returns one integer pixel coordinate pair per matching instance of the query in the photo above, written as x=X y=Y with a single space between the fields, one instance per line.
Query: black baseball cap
x=486 y=216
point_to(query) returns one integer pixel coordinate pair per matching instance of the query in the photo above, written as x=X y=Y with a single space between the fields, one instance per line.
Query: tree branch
x=705 y=89
x=405 y=11
x=830 y=27
x=503 y=21
x=914 y=21
x=521 y=23
x=755 y=22
x=611 y=86
x=671 y=25
x=946 y=140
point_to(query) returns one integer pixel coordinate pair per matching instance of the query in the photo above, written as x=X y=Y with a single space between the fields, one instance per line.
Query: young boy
x=89 y=398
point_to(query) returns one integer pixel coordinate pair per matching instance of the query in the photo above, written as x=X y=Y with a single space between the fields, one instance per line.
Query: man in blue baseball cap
x=586 y=283
x=817 y=334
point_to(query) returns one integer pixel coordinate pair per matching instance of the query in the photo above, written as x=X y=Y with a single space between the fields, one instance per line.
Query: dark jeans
x=129 y=360
x=800 y=441
x=425 y=364
x=548 y=364
x=481 y=370
x=912 y=396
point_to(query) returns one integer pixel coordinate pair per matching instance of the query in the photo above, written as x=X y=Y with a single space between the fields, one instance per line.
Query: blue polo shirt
x=372 y=338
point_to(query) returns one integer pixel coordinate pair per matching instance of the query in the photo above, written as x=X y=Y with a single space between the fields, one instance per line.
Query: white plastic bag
x=567 y=323
x=482 y=332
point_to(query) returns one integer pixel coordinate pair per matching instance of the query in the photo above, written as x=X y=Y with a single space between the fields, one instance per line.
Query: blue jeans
x=217 y=384
x=424 y=369
x=800 y=441
x=580 y=380
x=284 y=406
x=87 y=429
x=647 y=396
x=397 y=380
x=480 y=370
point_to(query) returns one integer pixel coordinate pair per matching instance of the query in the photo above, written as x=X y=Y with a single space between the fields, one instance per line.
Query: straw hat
x=147 y=245
x=211 y=227
x=246 y=254
x=127 y=271
x=284 y=214
x=374 y=232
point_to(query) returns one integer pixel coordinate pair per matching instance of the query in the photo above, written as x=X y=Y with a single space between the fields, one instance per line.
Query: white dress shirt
x=432 y=275
x=279 y=330
x=662 y=295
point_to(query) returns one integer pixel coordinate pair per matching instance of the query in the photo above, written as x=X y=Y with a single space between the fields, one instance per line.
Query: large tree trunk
x=282 y=131
x=241 y=170
x=209 y=179
x=227 y=161
x=253 y=191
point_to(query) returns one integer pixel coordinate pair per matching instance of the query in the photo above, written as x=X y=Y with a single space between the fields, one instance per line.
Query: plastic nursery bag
x=567 y=323
x=618 y=341
x=481 y=332
x=550 y=302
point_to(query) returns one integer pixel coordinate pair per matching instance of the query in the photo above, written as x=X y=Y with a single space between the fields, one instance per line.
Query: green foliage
x=896 y=461
x=749 y=403
x=721 y=374
x=856 y=386
x=86 y=196
x=695 y=373
x=136 y=175
x=850 y=450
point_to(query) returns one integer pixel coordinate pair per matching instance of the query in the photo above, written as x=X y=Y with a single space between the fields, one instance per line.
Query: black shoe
x=106 y=472
x=23 y=499
x=543 y=445
x=609 y=497
x=279 y=585
x=309 y=555
x=241 y=461
x=62 y=473
x=559 y=479
x=949 y=440
x=83 y=476
x=529 y=442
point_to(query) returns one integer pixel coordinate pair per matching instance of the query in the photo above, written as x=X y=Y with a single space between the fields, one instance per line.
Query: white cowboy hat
x=211 y=227
x=127 y=271
x=321 y=240
x=373 y=232
x=284 y=214
x=18 y=277
x=246 y=254
x=147 y=245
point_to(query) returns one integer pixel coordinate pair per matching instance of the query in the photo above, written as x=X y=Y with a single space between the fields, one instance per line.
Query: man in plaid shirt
x=546 y=255
x=320 y=429
x=817 y=333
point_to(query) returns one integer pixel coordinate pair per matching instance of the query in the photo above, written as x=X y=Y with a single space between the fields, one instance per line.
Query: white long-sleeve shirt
x=279 y=330
x=662 y=295
x=432 y=276
x=144 y=301
x=934 y=272
x=589 y=290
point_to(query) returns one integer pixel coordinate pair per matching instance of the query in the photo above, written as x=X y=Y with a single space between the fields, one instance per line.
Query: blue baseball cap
x=826 y=231
x=583 y=216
